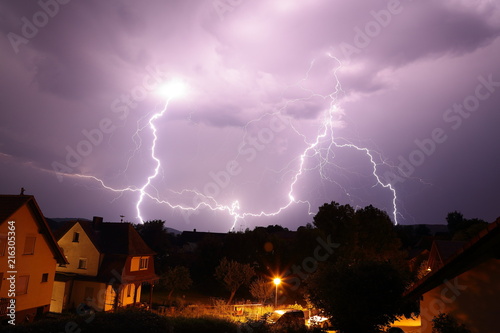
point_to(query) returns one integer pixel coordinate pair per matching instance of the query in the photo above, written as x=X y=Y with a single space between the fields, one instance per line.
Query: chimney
x=96 y=222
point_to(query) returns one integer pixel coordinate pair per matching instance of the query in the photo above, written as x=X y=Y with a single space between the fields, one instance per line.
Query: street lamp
x=277 y=282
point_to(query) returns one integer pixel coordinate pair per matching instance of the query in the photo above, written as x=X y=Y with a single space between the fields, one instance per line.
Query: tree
x=261 y=289
x=365 y=234
x=462 y=228
x=445 y=323
x=362 y=297
x=456 y=221
x=233 y=275
x=176 y=278
x=361 y=284
x=158 y=239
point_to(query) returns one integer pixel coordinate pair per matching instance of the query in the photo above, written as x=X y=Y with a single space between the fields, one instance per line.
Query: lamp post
x=277 y=282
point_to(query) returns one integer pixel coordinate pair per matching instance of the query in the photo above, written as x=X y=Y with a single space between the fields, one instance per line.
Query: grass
x=137 y=320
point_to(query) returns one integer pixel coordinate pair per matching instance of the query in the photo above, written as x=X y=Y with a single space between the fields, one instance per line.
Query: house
x=29 y=255
x=108 y=264
x=463 y=281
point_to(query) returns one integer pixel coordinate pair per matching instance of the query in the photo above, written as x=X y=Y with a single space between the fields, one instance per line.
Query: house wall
x=58 y=297
x=472 y=298
x=109 y=298
x=90 y=293
x=33 y=265
x=74 y=251
x=123 y=299
x=128 y=299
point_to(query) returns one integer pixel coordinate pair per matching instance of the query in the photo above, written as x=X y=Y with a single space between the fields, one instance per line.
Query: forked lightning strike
x=313 y=149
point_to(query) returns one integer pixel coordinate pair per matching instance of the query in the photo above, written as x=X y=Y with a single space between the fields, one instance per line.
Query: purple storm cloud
x=287 y=105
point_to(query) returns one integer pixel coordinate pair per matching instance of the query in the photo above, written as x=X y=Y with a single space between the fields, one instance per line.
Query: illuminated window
x=82 y=263
x=22 y=284
x=76 y=237
x=139 y=263
x=144 y=263
x=3 y=245
x=45 y=277
x=29 y=245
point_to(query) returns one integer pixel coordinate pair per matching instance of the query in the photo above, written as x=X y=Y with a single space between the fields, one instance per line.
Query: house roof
x=10 y=204
x=111 y=237
x=482 y=247
x=441 y=250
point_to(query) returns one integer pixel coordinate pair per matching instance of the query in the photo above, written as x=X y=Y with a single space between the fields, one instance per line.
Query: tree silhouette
x=462 y=228
x=361 y=297
x=261 y=289
x=233 y=275
x=176 y=278
x=361 y=284
x=158 y=239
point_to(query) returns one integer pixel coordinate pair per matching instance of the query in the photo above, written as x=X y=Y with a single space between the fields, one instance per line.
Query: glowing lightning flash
x=176 y=89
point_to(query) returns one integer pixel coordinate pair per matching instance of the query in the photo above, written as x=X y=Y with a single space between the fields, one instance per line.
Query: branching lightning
x=315 y=148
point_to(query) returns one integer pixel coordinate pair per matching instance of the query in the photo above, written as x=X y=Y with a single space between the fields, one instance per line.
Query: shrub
x=445 y=323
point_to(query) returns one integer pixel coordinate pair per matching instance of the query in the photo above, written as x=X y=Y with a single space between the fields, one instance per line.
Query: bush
x=445 y=323
x=126 y=320
x=202 y=324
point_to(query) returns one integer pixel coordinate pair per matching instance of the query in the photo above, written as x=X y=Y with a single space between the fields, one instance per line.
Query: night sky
x=286 y=105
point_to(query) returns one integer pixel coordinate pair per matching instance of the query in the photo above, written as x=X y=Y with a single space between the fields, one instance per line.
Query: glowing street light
x=277 y=282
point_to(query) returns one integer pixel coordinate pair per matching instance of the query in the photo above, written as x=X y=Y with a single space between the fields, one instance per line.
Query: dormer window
x=139 y=263
x=76 y=237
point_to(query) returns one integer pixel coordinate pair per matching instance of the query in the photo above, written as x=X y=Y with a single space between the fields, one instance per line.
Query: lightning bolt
x=313 y=149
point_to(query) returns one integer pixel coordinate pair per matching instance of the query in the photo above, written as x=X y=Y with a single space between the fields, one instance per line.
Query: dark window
x=76 y=237
x=82 y=263
x=45 y=277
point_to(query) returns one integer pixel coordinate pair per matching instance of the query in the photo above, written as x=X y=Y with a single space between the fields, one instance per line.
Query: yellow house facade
x=108 y=263
x=29 y=255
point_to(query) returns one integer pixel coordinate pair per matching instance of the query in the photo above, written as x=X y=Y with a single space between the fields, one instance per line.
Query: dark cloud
x=261 y=77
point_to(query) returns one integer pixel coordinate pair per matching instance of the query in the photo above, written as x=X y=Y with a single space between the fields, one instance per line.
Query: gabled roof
x=111 y=237
x=441 y=250
x=10 y=204
x=484 y=246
